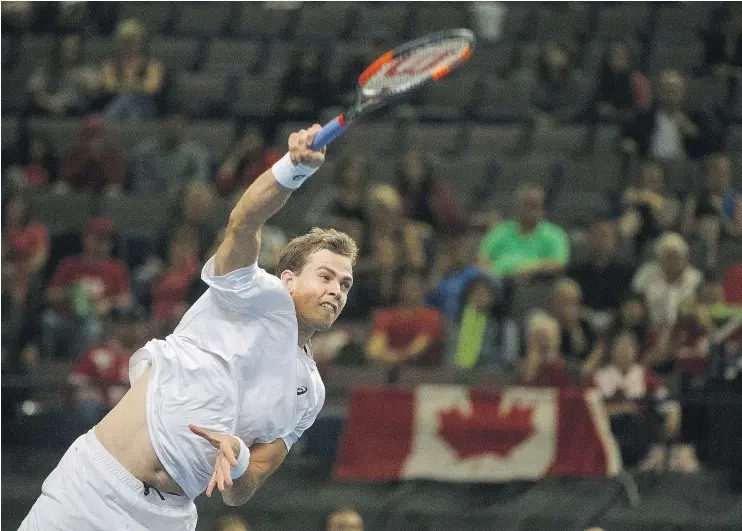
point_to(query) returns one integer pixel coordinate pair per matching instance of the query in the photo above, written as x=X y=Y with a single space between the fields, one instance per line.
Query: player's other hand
x=229 y=450
x=299 y=148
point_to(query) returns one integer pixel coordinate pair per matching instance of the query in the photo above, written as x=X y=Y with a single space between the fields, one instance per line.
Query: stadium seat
x=681 y=57
x=391 y=17
x=559 y=140
x=35 y=51
x=678 y=24
x=217 y=136
x=500 y=140
x=621 y=20
x=517 y=23
x=203 y=18
x=177 y=53
x=256 y=97
x=240 y=55
x=15 y=97
x=600 y=174
x=492 y=58
x=734 y=139
x=61 y=215
x=563 y=22
x=98 y=49
x=512 y=172
x=8 y=51
x=62 y=133
x=137 y=214
x=126 y=136
x=605 y=139
x=10 y=130
x=428 y=18
x=378 y=137
x=156 y=16
x=706 y=94
x=343 y=53
x=256 y=20
x=470 y=178
x=200 y=95
x=450 y=99
x=323 y=21
x=505 y=100
x=280 y=58
x=579 y=209
x=437 y=138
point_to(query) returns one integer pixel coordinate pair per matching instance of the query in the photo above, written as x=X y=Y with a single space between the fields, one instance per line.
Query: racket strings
x=417 y=65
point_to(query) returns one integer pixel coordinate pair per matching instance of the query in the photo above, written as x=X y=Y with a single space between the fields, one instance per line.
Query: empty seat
x=496 y=139
x=280 y=57
x=245 y=56
x=343 y=54
x=734 y=138
x=390 y=16
x=563 y=140
x=203 y=18
x=437 y=17
x=564 y=23
x=61 y=214
x=450 y=99
x=323 y=20
x=15 y=97
x=579 y=209
x=434 y=137
x=256 y=20
x=156 y=16
x=62 y=133
x=681 y=57
x=706 y=94
x=505 y=99
x=369 y=137
x=10 y=131
x=256 y=97
x=216 y=136
x=491 y=58
x=597 y=174
x=99 y=49
x=176 y=52
x=35 y=51
x=200 y=95
x=679 y=24
x=606 y=139
x=518 y=18
x=621 y=20
x=469 y=177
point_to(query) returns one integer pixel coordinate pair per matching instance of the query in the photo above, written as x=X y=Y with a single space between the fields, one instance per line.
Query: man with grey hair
x=667 y=281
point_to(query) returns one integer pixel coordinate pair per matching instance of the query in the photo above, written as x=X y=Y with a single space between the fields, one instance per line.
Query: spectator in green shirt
x=528 y=245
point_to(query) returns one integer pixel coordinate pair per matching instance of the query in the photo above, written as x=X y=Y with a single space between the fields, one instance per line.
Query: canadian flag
x=453 y=433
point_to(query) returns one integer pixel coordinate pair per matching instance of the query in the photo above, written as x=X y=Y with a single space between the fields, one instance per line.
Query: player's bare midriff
x=124 y=434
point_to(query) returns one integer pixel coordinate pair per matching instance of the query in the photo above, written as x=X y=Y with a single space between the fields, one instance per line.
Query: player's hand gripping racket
x=398 y=71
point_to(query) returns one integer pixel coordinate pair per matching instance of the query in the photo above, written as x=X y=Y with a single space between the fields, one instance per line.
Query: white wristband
x=290 y=175
x=242 y=461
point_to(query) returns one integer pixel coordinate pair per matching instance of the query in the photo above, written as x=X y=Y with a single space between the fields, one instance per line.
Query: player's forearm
x=260 y=201
x=245 y=487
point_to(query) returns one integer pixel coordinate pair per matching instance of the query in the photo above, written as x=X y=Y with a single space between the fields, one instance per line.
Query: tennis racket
x=399 y=71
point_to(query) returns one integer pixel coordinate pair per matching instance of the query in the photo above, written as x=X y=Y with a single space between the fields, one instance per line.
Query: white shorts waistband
x=108 y=463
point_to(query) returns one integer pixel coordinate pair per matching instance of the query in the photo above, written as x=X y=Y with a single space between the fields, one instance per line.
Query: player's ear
x=289 y=280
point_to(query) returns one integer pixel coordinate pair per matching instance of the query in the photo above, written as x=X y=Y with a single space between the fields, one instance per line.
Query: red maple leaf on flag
x=487 y=429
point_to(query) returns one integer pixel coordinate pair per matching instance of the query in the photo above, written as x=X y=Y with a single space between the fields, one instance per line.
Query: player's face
x=321 y=289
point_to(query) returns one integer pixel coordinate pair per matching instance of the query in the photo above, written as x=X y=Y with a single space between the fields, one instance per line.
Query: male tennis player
x=221 y=400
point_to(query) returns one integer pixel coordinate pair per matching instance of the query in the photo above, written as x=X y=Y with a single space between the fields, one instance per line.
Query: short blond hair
x=671 y=241
x=296 y=253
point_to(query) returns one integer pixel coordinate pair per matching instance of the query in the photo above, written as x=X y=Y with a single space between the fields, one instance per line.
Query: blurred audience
x=84 y=290
x=528 y=245
x=483 y=335
x=622 y=88
x=65 y=85
x=557 y=93
x=168 y=162
x=345 y=519
x=544 y=365
x=578 y=338
x=132 y=78
x=347 y=199
x=37 y=165
x=248 y=159
x=410 y=332
x=304 y=89
x=93 y=164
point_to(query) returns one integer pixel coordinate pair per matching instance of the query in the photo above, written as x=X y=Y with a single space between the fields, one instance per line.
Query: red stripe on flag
x=377 y=436
x=579 y=450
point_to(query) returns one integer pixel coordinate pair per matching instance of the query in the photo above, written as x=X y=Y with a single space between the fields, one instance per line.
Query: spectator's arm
x=418 y=346
x=153 y=78
x=592 y=362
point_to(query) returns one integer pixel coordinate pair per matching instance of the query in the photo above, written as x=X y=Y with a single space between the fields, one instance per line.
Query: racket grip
x=329 y=132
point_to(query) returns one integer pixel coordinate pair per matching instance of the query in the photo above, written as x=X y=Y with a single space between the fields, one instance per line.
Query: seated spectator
x=603 y=278
x=197 y=211
x=65 y=85
x=453 y=269
x=528 y=245
x=101 y=377
x=133 y=78
x=169 y=296
x=346 y=199
x=484 y=335
x=304 y=89
x=649 y=209
x=636 y=400
x=38 y=165
x=716 y=212
x=168 y=162
x=425 y=199
x=578 y=338
x=667 y=281
x=345 y=519
x=409 y=333
x=84 y=290
x=29 y=240
x=556 y=95
x=622 y=89
x=93 y=164
x=666 y=132
x=543 y=365
x=249 y=158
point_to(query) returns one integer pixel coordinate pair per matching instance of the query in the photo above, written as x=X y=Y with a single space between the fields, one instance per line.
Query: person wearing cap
x=92 y=164
x=84 y=290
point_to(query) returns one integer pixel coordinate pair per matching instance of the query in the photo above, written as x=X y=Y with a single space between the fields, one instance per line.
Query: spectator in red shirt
x=101 y=376
x=409 y=333
x=544 y=365
x=29 y=241
x=84 y=289
x=249 y=158
x=169 y=299
x=92 y=164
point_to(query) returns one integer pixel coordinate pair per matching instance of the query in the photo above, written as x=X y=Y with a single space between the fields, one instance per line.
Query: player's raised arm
x=264 y=198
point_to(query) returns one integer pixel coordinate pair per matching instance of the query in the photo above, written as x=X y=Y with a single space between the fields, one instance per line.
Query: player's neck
x=305 y=336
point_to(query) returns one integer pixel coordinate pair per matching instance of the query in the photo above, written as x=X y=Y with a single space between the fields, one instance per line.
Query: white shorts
x=90 y=490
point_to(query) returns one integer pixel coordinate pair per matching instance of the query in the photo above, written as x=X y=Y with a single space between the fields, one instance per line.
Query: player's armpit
x=264 y=460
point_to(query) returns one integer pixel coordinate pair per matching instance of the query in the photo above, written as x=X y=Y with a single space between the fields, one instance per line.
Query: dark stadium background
x=226 y=77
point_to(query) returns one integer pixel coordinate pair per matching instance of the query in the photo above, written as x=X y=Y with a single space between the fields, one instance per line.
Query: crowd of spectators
x=434 y=287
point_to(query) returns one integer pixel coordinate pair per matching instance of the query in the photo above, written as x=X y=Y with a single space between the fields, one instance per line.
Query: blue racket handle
x=329 y=132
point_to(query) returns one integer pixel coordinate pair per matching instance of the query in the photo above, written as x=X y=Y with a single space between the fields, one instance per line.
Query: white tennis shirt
x=233 y=365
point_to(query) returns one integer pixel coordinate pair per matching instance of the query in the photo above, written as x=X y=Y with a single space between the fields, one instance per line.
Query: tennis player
x=220 y=401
